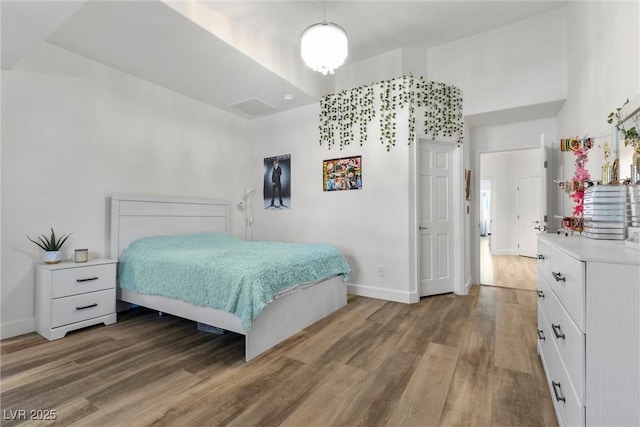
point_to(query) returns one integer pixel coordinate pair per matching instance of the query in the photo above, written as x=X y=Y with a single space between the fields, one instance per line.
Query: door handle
x=422 y=228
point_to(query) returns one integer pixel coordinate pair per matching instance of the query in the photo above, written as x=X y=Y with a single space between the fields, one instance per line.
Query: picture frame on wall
x=343 y=173
x=277 y=182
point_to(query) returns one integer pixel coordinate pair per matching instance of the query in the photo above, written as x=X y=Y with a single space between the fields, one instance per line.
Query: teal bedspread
x=223 y=272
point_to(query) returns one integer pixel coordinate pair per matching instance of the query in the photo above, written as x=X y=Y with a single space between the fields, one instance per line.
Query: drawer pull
x=84 y=307
x=541 y=334
x=540 y=256
x=540 y=294
x=559 y=277
x=557 y=331
x=86 y=280
x=556 y=391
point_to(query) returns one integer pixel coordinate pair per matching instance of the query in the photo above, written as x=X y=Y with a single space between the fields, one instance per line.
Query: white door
x=435 y=218
x=528 y=216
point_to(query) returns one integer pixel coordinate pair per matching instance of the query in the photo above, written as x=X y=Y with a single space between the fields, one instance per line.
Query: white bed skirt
x=281 y=318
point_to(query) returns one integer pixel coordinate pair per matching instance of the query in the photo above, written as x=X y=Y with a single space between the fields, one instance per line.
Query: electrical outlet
x=380 y=271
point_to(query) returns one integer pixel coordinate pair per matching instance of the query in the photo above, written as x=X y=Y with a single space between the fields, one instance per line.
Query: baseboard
x=467 y=286
x=504 y=252
x=384 y=294
x=17 y=327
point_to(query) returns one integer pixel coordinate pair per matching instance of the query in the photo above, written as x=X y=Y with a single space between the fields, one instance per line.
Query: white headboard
x=136 y=216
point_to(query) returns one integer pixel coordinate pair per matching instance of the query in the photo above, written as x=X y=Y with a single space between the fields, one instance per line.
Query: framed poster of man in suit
x=277 y=182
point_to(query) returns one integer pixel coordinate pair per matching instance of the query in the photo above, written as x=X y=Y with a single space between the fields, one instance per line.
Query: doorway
x=503 y=214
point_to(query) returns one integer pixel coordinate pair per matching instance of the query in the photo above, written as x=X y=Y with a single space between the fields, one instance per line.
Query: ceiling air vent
x=254 y=107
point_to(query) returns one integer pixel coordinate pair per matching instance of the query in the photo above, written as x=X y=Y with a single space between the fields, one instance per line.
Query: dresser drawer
x=570 y=342
x=77 y=308
x=544 y=252
x=568 y=283
x=544 y=295
x=73 y=281
x=544 y=334
x=568 y=410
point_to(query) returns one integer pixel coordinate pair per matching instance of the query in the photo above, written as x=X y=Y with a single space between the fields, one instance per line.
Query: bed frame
x=137 y=216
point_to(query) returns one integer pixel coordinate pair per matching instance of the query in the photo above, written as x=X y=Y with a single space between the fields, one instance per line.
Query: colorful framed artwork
x=342 y=174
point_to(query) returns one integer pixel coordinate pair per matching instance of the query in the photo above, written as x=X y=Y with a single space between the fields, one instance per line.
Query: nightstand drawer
x=65 y=311
x=568 y=282
x=74 y=281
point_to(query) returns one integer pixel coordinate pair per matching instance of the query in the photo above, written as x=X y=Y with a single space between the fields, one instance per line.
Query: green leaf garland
x=340 y=113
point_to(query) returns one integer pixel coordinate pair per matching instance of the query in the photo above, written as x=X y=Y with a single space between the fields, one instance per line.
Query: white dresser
x=72 y=295
x=589 y=329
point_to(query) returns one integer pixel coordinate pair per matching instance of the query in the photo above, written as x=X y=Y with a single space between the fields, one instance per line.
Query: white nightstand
x=73 y=295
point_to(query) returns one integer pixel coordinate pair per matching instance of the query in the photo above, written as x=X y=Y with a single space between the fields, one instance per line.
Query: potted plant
x=631 y=136
x=51 y=246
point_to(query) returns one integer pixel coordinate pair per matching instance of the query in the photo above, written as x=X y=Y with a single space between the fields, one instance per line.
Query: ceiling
x=241 y=56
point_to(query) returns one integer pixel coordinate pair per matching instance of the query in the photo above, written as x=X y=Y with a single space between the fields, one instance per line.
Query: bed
x=135 y=217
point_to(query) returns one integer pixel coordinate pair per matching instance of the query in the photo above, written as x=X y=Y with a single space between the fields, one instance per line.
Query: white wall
x=370 y=226
x=515 y=65
x=389 y=65
x=603 y=71
x=372 y=70
x=603 y=66
x=513 y=136
x=75 y=131
x=504 y=168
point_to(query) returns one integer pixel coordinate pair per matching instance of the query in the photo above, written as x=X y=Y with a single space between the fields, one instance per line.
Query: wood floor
x=449 y=360
x=508 y=271
x=512 y=271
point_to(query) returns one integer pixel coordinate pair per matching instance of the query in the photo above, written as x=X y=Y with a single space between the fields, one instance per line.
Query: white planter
x=52 y=257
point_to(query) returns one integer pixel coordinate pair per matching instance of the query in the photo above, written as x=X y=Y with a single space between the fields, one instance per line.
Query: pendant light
x=324 y=46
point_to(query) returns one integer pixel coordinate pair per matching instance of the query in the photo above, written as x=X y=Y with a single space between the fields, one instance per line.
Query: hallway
x=507 y=271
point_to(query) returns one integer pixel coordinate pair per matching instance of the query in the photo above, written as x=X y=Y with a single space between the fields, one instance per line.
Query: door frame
x=459 y=287
x=518 y=199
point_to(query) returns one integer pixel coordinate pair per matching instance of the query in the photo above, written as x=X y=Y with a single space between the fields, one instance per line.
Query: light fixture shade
x=324 y=47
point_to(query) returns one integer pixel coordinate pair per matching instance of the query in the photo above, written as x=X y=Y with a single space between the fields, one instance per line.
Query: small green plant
x=631 y=135
x=51 y=243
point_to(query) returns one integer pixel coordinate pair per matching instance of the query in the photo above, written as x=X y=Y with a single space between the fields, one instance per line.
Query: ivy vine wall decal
x=344 y=113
